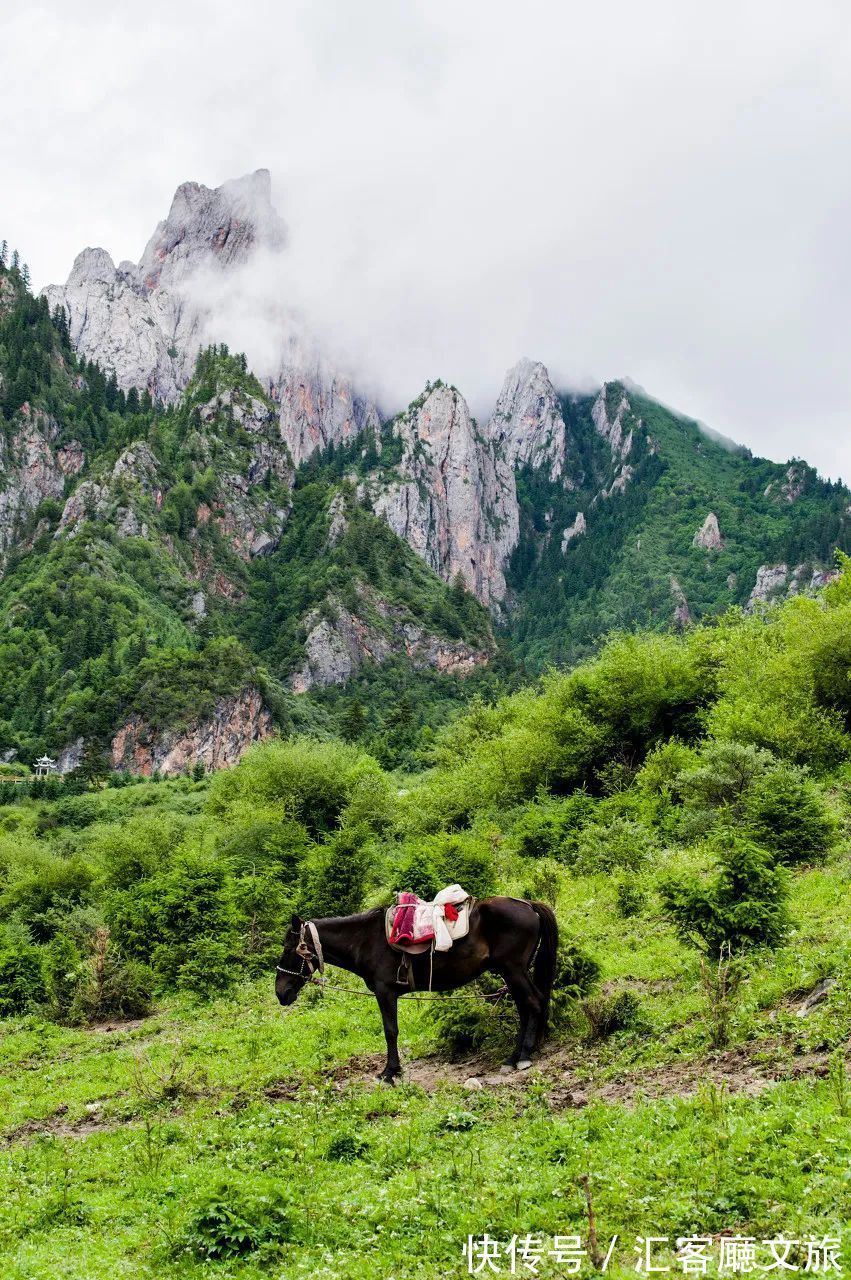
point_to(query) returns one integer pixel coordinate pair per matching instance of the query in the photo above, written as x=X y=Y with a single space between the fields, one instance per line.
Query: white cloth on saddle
x=430 y=917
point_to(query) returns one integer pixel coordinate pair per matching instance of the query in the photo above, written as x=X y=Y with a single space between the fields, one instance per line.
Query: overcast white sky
x=657 y=190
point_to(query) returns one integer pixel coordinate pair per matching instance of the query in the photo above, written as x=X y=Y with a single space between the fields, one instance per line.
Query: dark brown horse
x=517 y=940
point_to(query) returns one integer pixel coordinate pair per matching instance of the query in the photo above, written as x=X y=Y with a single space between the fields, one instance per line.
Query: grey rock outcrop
x=682 y=613
x=613 y=429
x=31 y=469
x=527 y=424
x=318 y=406
x=339 y=642
x=455 y=501
x=774 y=581
x=770 y=581
x=574 y=530
x=708 y=535
x=147 y=321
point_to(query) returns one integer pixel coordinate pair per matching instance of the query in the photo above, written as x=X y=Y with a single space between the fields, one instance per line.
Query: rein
x=339 y=988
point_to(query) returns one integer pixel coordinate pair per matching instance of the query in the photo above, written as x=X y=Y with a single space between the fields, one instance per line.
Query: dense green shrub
x=787 y=813
x=41 y=894
x=434 y=862
x=183 y=924
x=308 y=781
x=631 y=896
x=552 y=829
x=621 y=844
x=21 y=985
x=744 y=905
x=335 y=875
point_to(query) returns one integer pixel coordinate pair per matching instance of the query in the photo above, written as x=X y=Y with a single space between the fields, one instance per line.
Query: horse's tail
x=546 y=957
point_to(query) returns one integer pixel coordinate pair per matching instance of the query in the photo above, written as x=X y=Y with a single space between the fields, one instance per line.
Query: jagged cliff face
x=455 y=500
x=340 y=642
x=32 y=468
x=146 y=321
x=318 y=407
x=218 y=742
x=527 y=424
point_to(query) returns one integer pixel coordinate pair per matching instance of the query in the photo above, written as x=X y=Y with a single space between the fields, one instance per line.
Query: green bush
x=607 y=1014
x=621 y=844
x=206 y=968
x=89 y=987
x=234 y=1219
x=180 y=923
x=437 y=861
x=787 y=813
x=552 y=829
x=335 y=875
x=21 y=985
x=42 y=892
x=631 y=896
x=308 y=781
x=744 y=905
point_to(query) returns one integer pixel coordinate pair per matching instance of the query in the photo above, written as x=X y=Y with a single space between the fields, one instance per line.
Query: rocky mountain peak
x=212 y=226
x=455 y=500
x=146 y=322
x=527 y=423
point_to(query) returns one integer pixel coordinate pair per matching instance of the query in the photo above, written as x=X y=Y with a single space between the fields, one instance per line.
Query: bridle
x=311 y=961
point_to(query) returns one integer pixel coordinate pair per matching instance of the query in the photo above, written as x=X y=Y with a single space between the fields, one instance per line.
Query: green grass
x=113 y=1135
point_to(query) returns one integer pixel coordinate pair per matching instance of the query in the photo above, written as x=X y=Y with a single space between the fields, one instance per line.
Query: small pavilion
x=44 y=766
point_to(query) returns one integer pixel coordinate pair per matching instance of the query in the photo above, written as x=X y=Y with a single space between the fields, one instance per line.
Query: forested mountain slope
x=187 y=565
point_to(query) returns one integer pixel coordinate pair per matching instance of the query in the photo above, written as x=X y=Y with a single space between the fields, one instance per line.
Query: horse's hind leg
x=529 y=1010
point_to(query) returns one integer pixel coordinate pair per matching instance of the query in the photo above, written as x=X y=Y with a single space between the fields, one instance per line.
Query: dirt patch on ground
x=736 y=1069
x=58 y=1125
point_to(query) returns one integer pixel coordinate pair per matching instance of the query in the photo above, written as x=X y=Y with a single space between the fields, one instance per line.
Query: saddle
x=414 y=926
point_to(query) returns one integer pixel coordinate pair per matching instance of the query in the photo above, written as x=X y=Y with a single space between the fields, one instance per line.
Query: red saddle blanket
x=404 y=931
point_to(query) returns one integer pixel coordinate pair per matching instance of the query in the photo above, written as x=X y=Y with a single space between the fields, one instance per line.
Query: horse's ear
x=295 y=923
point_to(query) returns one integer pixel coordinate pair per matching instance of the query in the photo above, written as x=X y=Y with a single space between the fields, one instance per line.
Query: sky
x=658 y=191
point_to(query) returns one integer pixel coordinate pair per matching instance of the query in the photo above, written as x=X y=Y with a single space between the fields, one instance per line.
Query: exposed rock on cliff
x=527 y=424
x=218 y=742
x=31 y=470
x=773 y=581
x=318 y=406
x=682 y=614
x=455 y=502
x=147 y=321
x=611 y=425
x=572 y=531
x=708 y=535
x=339 y=642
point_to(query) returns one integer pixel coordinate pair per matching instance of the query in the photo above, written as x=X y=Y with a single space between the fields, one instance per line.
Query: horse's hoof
x=383 y=1079
x=524 y=1065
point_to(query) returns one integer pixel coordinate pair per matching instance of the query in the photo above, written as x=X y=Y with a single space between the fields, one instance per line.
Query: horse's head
x=296 y=965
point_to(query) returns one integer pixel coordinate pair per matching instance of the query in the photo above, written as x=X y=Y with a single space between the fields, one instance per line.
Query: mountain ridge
x=298 y=549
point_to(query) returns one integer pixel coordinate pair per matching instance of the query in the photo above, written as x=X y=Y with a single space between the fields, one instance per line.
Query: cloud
x=655 y=191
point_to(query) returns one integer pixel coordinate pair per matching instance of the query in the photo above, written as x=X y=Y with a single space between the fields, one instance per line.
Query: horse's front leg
x=388 y=1002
